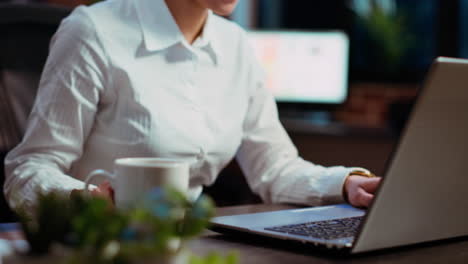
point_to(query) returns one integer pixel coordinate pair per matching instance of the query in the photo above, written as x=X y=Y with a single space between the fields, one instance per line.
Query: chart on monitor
x=304 y=67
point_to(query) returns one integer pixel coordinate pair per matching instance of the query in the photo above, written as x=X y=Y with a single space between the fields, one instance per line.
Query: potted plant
x=386 y=27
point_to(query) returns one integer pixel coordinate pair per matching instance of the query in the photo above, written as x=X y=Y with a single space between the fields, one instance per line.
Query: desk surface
x=267 y=251
x=261 y=251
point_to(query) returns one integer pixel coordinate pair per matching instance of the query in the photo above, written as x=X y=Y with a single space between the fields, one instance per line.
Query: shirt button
x=196 y=109
x=200 y=154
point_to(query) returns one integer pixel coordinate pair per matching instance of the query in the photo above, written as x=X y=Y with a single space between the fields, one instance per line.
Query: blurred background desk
x=329 y=145
x=339 y=144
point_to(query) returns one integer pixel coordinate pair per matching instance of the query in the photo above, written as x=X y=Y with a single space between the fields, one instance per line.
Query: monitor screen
x=304 y=67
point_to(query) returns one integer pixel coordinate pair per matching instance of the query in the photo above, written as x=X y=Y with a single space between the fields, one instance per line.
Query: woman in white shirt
x=162 y=78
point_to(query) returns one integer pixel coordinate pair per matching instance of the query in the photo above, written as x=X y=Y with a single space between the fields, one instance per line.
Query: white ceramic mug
x=134 y=177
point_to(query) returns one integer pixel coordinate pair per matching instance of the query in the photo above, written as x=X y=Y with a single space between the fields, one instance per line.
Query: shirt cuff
x=25 y=196
x=316 y=185
x=328 y=187
x=335 y=184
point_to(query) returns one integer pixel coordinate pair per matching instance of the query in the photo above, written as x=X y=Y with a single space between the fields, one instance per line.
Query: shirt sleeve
x=271 y=163
x=62 y=116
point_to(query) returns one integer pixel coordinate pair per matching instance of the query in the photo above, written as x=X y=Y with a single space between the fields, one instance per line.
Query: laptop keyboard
x=328 y=229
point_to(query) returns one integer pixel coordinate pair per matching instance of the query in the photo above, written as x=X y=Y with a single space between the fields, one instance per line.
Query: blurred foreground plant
x=93 y=231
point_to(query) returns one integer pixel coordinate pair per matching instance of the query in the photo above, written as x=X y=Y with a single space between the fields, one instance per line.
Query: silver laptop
x=423 y=196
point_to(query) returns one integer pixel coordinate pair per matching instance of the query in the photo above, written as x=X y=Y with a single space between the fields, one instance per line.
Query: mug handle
x=97 y=173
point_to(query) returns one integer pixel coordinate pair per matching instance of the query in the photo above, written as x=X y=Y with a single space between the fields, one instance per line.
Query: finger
x=364 y=198
x=370 y=185
x=110 y=193
x=104 y=185
x=97 y=192
x=103 y=190
x=106 y=190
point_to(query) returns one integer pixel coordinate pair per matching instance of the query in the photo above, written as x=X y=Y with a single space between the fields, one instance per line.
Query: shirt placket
x=195 y=106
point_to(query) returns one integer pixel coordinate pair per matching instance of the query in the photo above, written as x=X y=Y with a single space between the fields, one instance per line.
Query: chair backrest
x=25 y=32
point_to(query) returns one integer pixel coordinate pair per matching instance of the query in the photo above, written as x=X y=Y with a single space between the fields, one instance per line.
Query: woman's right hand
x=103 y=190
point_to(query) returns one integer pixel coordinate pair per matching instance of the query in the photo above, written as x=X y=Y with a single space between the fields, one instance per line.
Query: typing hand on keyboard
x=359 y=191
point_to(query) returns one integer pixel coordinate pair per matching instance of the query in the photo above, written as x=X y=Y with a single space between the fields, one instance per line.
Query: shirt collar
x=160 y=30
x=208 y=39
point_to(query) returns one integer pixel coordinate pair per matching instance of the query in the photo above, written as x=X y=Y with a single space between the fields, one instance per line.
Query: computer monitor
x=304 y=67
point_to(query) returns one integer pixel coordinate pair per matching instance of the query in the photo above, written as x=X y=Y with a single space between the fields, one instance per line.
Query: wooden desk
x=260 y=251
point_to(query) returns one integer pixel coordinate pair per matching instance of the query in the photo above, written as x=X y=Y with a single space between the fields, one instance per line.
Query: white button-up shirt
x=121 y=81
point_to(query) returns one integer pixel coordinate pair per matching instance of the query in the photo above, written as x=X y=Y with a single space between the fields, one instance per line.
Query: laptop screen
x=304 y=67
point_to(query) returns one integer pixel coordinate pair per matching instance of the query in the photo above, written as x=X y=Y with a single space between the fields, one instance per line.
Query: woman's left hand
x=360 y=190
x=104 y=190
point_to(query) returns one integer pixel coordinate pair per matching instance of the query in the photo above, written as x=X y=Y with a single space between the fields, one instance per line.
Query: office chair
x=25 y=32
